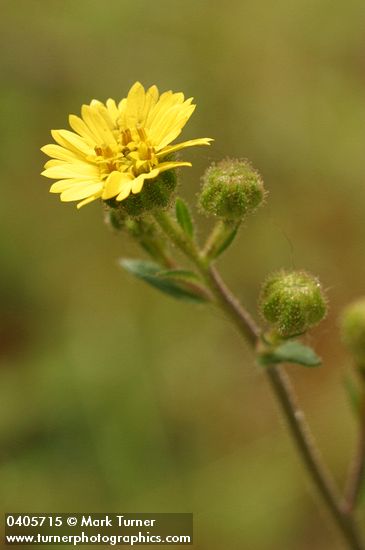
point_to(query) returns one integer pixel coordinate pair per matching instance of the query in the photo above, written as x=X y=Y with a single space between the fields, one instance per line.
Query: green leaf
x=180 y=275
x=222 y=246
x=183 y=217
x=291 y=352
x=150 y=273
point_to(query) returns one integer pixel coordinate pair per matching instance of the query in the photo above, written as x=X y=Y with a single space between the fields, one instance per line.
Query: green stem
x=179 y=237
x=157 y=252
x=357 y=469
x=311 y=457
x=277 y=377
x=296 y=421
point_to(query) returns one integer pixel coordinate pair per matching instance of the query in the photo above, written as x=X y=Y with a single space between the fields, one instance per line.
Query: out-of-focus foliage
x=113 y=397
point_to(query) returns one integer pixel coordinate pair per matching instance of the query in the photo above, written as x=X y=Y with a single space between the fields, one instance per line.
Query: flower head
x=115 y=148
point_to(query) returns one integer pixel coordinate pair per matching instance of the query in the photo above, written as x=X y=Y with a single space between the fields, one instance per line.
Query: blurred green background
x=116 y=398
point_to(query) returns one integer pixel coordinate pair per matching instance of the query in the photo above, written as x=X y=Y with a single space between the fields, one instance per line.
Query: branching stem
x=278 y=379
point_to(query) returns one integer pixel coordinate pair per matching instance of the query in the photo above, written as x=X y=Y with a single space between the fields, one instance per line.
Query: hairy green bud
x=292 y=302
x=231 y=190
x=353 y=329
x=156 y=194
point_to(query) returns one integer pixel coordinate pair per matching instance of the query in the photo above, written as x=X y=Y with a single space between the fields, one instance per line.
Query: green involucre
x=292 y=302
x=231 y=190
x=353 y=329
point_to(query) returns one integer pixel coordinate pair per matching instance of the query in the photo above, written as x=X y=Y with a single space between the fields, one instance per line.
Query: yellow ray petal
x=122 y=105
x=173 y=133
x=103 y=111
x=97 y=125
x=115 y=184
x=79 y=126
x=125 y=192
x=121 y=121
x=112 y=109
x=149 y=103
x=58 y=152
x=171 y=165
x=169 y=125
x=62 y=185
x=178 y=146
x=183 y=114
x=56 y=162
x=139 y=180
x=135 y=105
x=88 y=200
x=165 y=101
x=81 y=191
x=72 y=170
x=72 y=141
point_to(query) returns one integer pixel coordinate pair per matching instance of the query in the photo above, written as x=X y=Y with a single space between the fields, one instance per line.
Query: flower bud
x=155 y=194
x=292 y=302
x=353 y=329
x=231 y=190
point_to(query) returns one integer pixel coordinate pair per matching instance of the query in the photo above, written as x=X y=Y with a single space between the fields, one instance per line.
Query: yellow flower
x=115 y=148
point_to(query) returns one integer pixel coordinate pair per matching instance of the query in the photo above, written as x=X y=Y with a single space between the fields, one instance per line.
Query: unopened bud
x=353 y=329
x=292 y=302
x=232 y=189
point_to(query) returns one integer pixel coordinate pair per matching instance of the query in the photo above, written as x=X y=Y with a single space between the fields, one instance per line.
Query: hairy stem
x=278 y=380
x=295 y=418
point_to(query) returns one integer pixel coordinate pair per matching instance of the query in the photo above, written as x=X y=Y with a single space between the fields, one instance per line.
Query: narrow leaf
x=183 y=217
x=222 y=246
x=149 y=272
x=291 y=352
x=180 y=275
